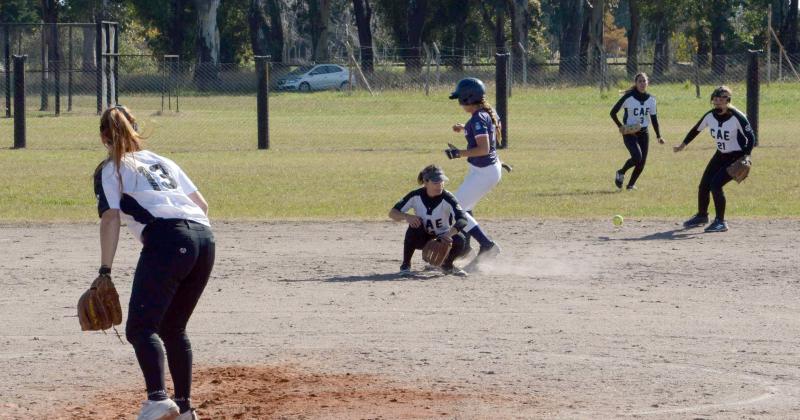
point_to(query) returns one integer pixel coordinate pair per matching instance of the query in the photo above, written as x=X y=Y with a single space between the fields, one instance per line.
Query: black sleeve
x=401 y=203
x=746 y=137
x=458 y=212
x=693 y=132
x=617 y=107
x=654 y=119
x=102 y=202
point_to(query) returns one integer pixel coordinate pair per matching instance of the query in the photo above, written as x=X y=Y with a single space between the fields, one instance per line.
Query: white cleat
x=159 y=410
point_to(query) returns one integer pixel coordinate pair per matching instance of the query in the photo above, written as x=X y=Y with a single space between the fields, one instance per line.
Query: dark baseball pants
x=714 y=178
x=416 y=238
x=173 y=269
x=637 y=145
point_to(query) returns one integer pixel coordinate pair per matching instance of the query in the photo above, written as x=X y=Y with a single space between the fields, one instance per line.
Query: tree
x=320 y=14
x=207 y=69
x=632 y=65
x=719 y=12
x=571 y=27
x=788 y=30
x=363 y=15
x=416 y=16
x=520 y=27
x=50 y=53
x=266 y=28
x=596 y=30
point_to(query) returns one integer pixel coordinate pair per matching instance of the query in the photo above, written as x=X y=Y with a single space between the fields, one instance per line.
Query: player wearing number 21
x=166 y=212
x=735 y=140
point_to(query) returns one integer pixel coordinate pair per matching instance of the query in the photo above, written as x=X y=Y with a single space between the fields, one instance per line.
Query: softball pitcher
x=735 y=140
x=166 y=212
x=436 y=214
x=640 y=109
x=485 y=169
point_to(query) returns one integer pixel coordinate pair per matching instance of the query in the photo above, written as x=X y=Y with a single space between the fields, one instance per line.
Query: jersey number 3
x=158 y=177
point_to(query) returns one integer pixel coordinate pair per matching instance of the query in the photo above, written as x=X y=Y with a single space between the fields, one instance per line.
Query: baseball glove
x=436 y=251
x=452 y=152
x=99 y=307
x=631 y=129
x=740 y=169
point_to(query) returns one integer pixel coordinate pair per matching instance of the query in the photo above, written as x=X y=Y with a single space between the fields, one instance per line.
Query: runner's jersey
x=153 y=187
x=438 y=214
x=481 y=123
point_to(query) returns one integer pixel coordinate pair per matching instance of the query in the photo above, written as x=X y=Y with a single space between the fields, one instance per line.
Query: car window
x=334 y=69
x=299 y=71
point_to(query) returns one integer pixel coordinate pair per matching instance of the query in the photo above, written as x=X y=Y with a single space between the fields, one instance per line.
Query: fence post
x=56 y=68
x=769 y=44
x=753 y=91
x=98 y=68
x=262 y=101
x=69 y=69
x=524 y=55
x=501 y=95
x=7 y=60
x=116 y=63
x=44 y=96
x=19 y=101
x=696 y=65
x=428 y=70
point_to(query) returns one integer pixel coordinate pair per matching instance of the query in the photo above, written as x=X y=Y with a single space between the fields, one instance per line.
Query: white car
x=315 y=77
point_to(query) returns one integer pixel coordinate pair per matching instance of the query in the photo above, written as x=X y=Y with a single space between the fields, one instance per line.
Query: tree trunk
x=632 y=64
x=520 y=26
x=719 y=27
x=500 y=26
x=703 y=47
x=596 y=50
x=49 y=49
x=583 y=56
x=207 y=70
x=571 y=27
x=363 y=14
x=176 y=26
x=275 y=30
x=417 y=11
x=455 y=60
x=661 y=50
x=88 y=58
x=320 y=19
x=789 y=29
x=259 y=28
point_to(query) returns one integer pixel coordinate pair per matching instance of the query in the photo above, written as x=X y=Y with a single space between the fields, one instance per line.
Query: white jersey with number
x=638 y=108
x=731 y=132
x=148 y=187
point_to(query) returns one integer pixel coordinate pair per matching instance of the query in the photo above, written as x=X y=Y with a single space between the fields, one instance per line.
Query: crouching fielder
x=485 y=168
x=735 y=140
x=436 y=214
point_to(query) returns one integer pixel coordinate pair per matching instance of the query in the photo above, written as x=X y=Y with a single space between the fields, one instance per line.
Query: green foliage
x=19 y=11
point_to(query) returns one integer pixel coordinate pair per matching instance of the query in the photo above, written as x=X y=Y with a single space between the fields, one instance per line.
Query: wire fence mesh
x=186 y=101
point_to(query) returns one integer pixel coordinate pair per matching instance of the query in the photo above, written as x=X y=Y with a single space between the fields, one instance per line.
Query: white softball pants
x=477 y=183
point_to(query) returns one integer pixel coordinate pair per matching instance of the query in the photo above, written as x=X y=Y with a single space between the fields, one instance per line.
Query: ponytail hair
x=635 y=79
x=495 y=119
x=118 y=130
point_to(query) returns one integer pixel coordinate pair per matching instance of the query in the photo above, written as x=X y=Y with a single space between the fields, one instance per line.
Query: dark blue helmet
x=469 y=91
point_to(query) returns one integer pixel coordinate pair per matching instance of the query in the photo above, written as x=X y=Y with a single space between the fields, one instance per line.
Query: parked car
x=315 y=77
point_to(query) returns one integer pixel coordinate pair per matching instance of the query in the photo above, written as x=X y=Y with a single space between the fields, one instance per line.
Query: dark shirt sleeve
x=102 y=201
x=616 y=109
x=654 y=119
x=746 y=137
x=693 y=132
x=458 y=212
x=400 y=204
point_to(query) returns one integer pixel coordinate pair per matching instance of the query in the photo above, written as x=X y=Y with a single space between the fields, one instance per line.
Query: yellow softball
x=617 y=220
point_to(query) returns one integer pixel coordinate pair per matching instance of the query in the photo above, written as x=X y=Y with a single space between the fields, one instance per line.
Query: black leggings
x=173 y=269
x=637 y=145
x=714 y=178
x=416 y=238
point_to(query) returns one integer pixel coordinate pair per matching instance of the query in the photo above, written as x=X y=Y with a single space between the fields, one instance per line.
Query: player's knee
x=136 y=333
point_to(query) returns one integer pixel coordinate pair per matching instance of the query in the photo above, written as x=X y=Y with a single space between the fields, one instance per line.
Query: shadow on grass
x=372 y=277
x=575 y=193
x=669 y=235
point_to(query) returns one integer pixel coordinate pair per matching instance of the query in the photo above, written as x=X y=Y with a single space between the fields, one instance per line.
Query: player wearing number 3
x=735 y=140
x=640 y=109
x=166 y=212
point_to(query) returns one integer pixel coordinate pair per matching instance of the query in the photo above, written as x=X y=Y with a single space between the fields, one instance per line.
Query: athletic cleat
x=717 y=226
x=696 y=221
x=631 y=188
x=454 y=271
x=618 y=179
x=159 y=410
x=405 y=271
x=486 y=253
x=189 y=415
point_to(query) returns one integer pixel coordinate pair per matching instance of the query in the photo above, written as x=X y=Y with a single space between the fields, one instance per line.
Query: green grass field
x=336 y=156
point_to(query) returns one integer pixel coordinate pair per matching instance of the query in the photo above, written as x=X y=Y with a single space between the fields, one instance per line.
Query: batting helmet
x=469 y=91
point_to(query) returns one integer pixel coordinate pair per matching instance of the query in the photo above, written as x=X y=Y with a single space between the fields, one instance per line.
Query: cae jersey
x=153 y=187
x=438 y=214
x=731 y=132
x=639 y=107
x=481 y=123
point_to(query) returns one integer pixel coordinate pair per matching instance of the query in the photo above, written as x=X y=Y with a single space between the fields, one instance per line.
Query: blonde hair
x=495 y=119
x=118 y=130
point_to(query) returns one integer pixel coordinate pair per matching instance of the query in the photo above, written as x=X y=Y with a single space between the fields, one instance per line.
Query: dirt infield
x=308 y=320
